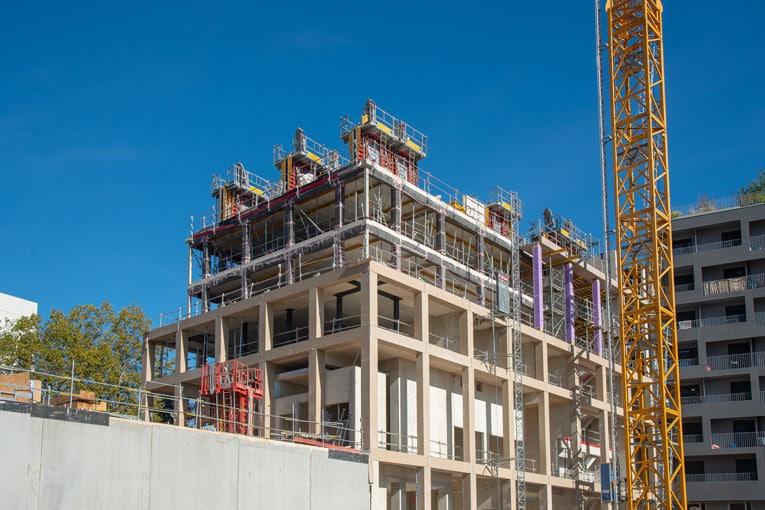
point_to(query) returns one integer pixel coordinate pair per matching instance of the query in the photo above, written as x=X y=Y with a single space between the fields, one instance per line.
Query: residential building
x=365 y=305
x=12 y=307
x=720 y=295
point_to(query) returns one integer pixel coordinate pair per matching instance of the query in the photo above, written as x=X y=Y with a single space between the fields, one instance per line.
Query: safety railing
x=338 y=324
x=395 y=442
x=757 y=242
x=733 y=361
x=395 y=325
x=163 y=405
x=720 y=477
x=688 y=362
x=444 y=450
x=693 y=438
x=561 y=381
x=738 y=439
x=685 y=287
x=699 y=248
x=716 y=399
x=706 y=322
x=707 y=205
x=452 y=344
x=737 y=284
x=291 y=336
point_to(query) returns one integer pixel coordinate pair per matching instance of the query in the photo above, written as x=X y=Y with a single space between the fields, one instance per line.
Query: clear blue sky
x=114 y=116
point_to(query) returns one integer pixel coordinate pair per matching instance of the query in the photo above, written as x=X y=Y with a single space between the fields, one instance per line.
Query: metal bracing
x=556 y=314
x=517 y=301
x=653 y=429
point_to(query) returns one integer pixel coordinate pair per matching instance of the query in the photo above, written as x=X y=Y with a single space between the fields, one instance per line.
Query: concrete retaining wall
x=49 y=464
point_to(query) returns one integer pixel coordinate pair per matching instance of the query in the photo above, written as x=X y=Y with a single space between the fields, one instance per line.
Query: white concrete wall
x=12 y=308
x=51 y=464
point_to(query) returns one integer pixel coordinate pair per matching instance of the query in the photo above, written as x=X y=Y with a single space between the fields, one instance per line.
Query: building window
x=740 y=506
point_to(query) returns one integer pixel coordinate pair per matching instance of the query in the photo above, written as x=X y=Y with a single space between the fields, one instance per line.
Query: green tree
x=104 y=345
x=754 y=192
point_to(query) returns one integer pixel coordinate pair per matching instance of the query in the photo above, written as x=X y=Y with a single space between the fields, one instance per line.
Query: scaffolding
x=236 y=389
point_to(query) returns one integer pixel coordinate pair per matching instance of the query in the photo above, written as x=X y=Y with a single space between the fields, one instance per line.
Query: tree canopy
x=104 y=345
x=754 y=191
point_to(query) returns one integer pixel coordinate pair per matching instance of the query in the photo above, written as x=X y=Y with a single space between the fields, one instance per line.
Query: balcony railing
x=737 y=284
x=688 y=362
x=721 y=477
x=557 y=380
x=693 y=438
x=738 y=439
x=698 y=248
x=714 y=399
x=733 y=361
x=707 y=205
x=714 y=321
x=757 y=242
x=684 y=287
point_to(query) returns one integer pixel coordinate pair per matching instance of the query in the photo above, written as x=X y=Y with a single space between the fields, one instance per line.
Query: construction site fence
x=166 y=406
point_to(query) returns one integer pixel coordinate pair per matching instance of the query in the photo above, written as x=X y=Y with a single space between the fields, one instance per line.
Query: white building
x=12 y=308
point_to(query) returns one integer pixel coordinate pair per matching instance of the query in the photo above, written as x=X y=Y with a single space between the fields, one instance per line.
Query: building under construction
x=359 y=303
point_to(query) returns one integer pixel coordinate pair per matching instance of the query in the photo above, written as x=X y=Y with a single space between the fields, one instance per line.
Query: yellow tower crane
x=653 y=428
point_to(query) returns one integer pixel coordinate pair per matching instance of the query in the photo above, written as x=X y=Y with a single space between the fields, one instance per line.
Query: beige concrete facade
x=387 y=322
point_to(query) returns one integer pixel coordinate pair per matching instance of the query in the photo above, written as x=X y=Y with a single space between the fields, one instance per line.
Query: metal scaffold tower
x=515 y=270
x=653 y=429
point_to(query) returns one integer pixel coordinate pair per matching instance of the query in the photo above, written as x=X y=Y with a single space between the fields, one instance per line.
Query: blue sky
x=113 y=118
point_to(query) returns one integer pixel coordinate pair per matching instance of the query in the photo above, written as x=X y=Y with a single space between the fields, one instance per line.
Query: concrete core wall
x=70 y=465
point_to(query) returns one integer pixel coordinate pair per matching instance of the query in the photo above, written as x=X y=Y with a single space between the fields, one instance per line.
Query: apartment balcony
x=757 y=243
x=716 y=399
x=728 y=440
x=704 y=247
x=710 y=322
x=721 y=477
x=685 y=287
x=731 y=285
x=735 y=361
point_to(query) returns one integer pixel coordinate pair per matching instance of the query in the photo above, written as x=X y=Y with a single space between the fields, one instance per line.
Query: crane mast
x=653 y=429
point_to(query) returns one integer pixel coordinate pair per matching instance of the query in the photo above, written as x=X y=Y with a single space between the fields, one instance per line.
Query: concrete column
x=221 y=338
x=397 y=496
x=180 y=406
x=466 y=333
x=268 y=383
x=508 y=420
x=265 y=327
x=469 y=491
x=181 y=351
x=468 y=413
x=147 y=360
x=369 y=403
x=543 y=434
x=443 y=497
x=316 y=378
x=369 y=299
x=423 y=488
x=423 y=403
x=369 y=360
x=315 y=312
x=421 y=317
x=545 y=497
